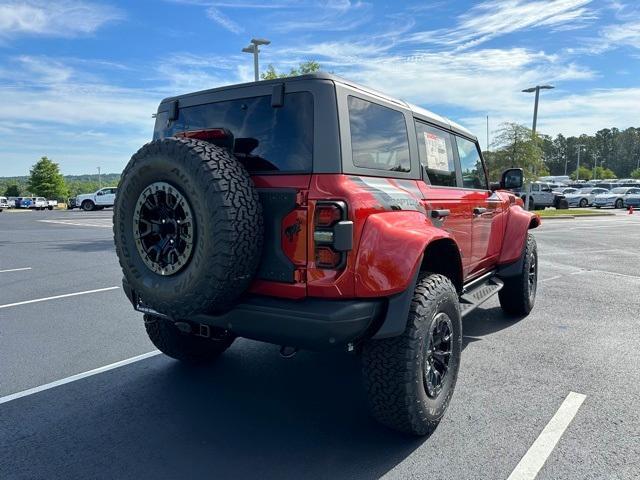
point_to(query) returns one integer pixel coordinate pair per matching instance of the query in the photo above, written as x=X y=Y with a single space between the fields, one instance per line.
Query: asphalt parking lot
x=256 y=415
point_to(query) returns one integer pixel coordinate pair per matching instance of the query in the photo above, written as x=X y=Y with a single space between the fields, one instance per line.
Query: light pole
x=579 y=147
x=99 y=178
x=536 y=89
x=255 y=50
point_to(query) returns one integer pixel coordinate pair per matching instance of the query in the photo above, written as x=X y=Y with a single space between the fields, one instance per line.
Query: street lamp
x=579 y=147
x=253 y=48
x=536 y=89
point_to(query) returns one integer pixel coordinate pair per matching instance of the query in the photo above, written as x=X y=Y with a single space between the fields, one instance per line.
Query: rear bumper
x=310 y=323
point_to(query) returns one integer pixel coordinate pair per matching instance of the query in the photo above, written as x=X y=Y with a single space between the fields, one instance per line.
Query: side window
x=436 y=155
x=473 y=175
x=379 y=137
x=535 y=187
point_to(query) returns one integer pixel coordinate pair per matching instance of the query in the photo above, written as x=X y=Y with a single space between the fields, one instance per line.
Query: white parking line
x=55 y=297
x=15 y=270
x=79 y=224
x=79 y=376
x=533 y=460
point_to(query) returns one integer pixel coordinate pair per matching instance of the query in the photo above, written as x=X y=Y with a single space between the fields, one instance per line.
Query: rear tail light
x=332 y=235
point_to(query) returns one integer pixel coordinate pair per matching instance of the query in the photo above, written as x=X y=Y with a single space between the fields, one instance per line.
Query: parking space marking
x=15 y=270
x=79 y=224
x=55 y=297
x=536 y=456
x=78 y=376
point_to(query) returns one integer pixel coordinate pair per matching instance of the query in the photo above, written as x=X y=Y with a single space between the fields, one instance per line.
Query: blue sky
x=80 y=79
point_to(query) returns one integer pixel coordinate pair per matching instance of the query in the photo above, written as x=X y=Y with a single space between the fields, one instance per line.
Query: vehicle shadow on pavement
x=252 y=415
x=85 y=247
x=483 y=322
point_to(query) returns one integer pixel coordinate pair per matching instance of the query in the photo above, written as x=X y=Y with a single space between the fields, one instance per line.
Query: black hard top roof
x=419 y=112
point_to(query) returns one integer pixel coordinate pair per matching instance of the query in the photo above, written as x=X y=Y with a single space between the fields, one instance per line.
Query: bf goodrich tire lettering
x=228 y=226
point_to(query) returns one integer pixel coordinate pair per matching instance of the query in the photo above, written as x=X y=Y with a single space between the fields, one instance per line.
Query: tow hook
x=288 y=352
x=201 y=329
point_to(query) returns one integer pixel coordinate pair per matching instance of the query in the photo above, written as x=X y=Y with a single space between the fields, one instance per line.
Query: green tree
x=515 y=147
x=45 y=180
x=310 y=66
x=585 y=173
x=635 y=173
x=12 y=190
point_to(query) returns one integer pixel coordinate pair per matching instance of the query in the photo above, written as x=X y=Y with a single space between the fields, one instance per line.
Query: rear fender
x=390 y=251
x=519 y=222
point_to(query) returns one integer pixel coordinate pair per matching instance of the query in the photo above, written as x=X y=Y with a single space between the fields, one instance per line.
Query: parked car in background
x=542 y=195
x=4 y=203
x=566 y=190
x=632 y=200
x=584 y=197
x=35 y=203
x=105 y=197
x=616 y=197
x=607 y=185
x=71 y=203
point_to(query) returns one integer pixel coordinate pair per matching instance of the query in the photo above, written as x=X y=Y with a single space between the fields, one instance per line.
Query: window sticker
x=437 y=158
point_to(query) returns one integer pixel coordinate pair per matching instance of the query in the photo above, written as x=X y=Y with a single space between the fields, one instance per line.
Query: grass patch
x=573 y=213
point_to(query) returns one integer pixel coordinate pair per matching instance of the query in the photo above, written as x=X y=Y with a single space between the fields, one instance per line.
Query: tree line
x=610 y=153
x=45 y=180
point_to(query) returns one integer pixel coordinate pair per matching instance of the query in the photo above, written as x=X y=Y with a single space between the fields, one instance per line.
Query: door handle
x=440 y=213
x=479 y=210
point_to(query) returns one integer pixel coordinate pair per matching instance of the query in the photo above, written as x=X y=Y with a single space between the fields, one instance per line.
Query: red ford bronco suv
x=314 y=213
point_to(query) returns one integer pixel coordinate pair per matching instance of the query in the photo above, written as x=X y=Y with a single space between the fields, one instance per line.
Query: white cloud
x=622 y=34
x=60 y=18
x=494 y=18
x=225 y=22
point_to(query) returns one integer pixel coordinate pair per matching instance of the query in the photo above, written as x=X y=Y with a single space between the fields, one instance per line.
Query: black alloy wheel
x=164 y=228
x=439 y=346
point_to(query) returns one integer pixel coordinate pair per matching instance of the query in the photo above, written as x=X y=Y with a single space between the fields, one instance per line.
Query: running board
x=479 y=292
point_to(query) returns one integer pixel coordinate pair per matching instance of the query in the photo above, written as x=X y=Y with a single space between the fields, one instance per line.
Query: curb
x=569 y=217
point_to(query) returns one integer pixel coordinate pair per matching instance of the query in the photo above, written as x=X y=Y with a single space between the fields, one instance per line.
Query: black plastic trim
x=312 y=323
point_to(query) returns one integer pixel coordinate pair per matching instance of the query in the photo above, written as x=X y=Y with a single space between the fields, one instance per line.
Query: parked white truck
x=105 y=197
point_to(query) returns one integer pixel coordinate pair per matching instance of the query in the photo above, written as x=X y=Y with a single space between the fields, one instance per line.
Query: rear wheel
x=583 y=202
x=185 y=346
x=88 y=205
x=410 y=379
x=518 y=295
x=619 y=203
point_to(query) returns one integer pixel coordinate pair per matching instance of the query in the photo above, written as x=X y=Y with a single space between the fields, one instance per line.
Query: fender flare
x=390 y=251
x=519 y=222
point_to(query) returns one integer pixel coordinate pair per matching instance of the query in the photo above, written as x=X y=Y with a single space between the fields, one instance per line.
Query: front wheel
x=410 y=378
x=518 y=295
x=619 y=203
x=186 y=347
x=583 y=202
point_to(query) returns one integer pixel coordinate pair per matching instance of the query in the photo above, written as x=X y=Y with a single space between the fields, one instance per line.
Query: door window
x=379 y=137
x=473 y=175
x=436 y=155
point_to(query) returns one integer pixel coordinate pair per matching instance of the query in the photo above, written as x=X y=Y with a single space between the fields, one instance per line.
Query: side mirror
x=512 y=179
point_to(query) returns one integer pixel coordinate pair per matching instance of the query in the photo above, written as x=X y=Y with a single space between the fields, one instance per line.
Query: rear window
x=266 y=139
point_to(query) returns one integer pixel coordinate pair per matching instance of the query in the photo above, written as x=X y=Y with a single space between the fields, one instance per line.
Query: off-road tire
x=228 y=230
x=88 y=206
x=518 y=295
x=393 y=367
x=186 y=347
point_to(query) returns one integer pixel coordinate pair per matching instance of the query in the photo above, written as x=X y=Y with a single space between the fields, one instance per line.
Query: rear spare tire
x=188 y=227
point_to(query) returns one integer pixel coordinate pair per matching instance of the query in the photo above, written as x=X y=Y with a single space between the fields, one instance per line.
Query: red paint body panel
x=390 y=251
x=392 y=227
x=517 y=226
